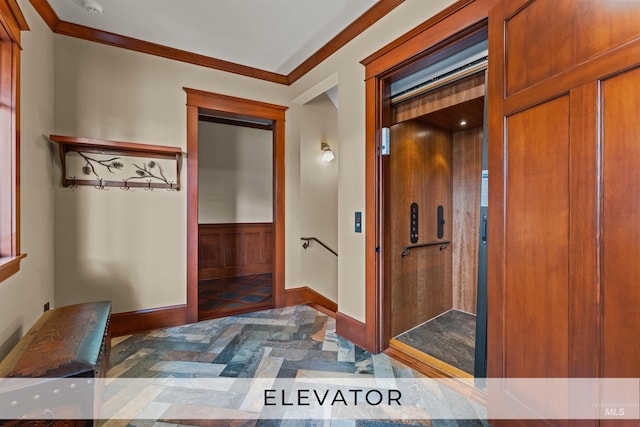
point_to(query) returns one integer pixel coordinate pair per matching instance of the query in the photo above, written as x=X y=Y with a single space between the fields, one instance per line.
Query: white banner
x=318 y=398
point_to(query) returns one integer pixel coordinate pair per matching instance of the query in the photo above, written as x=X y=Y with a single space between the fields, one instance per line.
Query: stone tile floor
x=218 y=297
x=279 y=343
x=450 y=337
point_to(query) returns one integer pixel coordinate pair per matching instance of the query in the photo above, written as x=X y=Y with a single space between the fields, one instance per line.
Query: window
x=11 y=23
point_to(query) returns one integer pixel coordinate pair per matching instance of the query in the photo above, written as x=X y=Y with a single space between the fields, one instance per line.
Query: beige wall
x=128 y=247
x=23 y=295
x=319 y=195
x=351 y=134
x=235 y=174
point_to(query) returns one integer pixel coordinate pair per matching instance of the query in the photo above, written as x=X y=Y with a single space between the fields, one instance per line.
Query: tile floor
x=219 y=297
x=278 y=343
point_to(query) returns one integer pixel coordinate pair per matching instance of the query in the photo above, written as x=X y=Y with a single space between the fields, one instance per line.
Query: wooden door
x=564 y=214
x=419 y=171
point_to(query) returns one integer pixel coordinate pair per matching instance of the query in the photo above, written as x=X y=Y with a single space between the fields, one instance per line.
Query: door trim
x=236 y=109
x=461 y=19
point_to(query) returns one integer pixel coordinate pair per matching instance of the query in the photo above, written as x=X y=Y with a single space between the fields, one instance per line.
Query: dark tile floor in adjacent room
x=291 y=342
x=449 y=337
x=222 y=296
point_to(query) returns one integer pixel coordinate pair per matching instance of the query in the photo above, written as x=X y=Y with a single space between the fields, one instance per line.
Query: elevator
x=434 y=190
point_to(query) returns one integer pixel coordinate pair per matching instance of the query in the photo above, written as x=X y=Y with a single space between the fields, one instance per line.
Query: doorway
x=432 y=209
x=235 y=216
x=235 y=111
x=432 y=232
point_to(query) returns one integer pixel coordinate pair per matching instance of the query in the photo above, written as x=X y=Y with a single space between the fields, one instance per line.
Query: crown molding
x=47 y=13
x=367 y=19
x=353 y=30
x=112 y=39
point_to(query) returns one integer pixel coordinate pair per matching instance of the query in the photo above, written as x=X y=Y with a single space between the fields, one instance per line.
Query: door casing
x=402 y=56
x=236 y=109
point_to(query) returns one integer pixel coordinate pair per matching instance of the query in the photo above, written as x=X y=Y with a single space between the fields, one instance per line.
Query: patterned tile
x=293 y=342
x=196 y=369
x=346 y=351
x=252 y=298
x=225 y=295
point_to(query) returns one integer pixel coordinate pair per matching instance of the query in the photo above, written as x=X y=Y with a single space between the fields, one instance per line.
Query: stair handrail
x=308 y=239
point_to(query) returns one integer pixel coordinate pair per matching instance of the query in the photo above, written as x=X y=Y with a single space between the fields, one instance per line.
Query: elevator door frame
x=456 y=25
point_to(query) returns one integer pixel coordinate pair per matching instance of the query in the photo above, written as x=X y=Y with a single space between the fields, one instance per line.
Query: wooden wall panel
x=231 y=247
x=253 y=249
x=536 y=295
x=467 y=170
x=209 y=252
x=579 y=326
x=233 y=250
x=562 y=42
x=419 y=171
x=621 y=242
x=467 y=89
x=267 y=249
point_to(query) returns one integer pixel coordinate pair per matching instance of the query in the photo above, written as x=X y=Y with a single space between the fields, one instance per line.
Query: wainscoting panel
x=232 y=250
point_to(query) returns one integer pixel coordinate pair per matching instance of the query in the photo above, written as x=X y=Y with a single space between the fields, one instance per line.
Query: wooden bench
x=66 y=342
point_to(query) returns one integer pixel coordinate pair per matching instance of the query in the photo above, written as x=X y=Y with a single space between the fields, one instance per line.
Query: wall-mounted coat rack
x=102 y=163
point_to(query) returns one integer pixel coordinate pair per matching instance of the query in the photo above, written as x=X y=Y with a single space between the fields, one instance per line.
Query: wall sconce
x=327 y=154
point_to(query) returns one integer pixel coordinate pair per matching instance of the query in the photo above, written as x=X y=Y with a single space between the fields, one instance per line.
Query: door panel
x=535 y=299
x=621 y=225
x=529 y=308
x=611 y=24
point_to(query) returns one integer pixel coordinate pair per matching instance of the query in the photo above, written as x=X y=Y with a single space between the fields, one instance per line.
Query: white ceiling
x=272 y=35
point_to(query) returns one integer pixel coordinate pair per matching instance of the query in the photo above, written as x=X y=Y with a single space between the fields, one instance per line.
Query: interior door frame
x=236 y=109
x=400 y=57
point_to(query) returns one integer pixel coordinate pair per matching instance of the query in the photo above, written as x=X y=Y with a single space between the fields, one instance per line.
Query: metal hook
x=126 y=185
x=100 y=184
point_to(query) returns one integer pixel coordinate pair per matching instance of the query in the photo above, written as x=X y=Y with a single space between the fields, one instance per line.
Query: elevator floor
x=449 y=337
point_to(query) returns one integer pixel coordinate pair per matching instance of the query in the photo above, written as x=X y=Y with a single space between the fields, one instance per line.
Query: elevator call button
x=413 y=221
